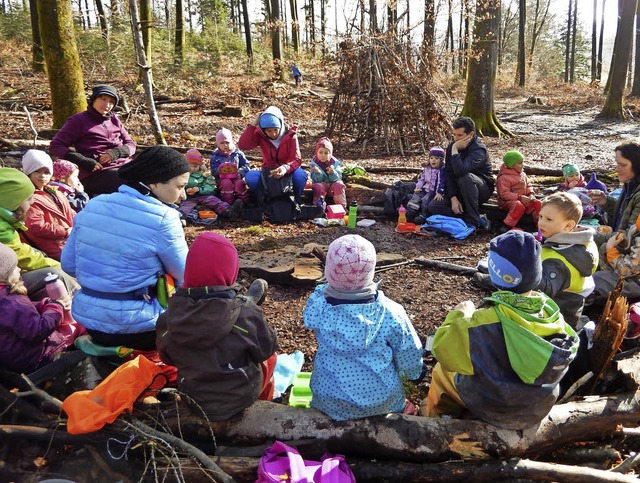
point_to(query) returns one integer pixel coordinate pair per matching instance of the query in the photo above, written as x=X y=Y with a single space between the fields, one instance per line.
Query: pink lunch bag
x=282 y=463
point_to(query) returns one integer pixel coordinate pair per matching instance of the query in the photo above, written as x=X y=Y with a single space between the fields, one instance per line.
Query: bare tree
x=178 y=56
x=247 y=31
x=145 y=28
x=567 y=46
x=614 y=104
x=102 y=20
x=635 y=87
x=37 y=56
x=276 y=40
x=295 y=26
x=429 y=35
x=506 y=29
x=483 y=65
x=522 y=23
x=145 y=68
x=540 y=17
x=600 y=42
x=62 y=59
x=594 y=42
x=573 y=42
x=373 y=16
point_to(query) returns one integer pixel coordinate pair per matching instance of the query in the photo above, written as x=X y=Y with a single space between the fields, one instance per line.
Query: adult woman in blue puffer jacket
x=122 y=242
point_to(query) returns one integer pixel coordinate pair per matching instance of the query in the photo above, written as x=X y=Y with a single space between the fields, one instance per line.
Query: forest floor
x=563 y=129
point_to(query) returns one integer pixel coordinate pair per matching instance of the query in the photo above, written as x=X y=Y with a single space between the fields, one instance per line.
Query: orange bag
x=89 y=411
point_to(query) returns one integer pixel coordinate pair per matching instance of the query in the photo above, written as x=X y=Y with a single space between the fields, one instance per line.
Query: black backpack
x=398 y=194
x=280 y=205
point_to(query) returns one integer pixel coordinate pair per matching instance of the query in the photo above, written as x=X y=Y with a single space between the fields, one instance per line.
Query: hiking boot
x=420 y=220
x=235 y=210
x=484 y=223
x=257 y=292
x=483 y=280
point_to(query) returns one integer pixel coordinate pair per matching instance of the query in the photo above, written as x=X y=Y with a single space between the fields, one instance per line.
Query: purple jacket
x=91 y=134
x=28 y=338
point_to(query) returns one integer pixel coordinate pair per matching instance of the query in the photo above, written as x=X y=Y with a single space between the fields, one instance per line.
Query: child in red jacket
x=515 y=194
x=279 y=147
x=50 y=218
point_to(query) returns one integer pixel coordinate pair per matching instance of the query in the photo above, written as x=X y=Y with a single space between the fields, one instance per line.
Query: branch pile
x=386 y=93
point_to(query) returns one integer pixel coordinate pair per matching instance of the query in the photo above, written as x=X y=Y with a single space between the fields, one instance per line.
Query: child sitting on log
x=28 y=330
x=366 y=342
x=430 y=186
x=326 y=176
x=50 y=218
x=515 y=195
x=219 y=341
x=503 y=363
x=229 y=165
x=200 y=192
x=65 y=178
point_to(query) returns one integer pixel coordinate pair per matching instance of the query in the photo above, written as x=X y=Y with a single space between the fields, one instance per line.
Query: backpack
x=447 y=225
x=399 y=194
x=279 y=198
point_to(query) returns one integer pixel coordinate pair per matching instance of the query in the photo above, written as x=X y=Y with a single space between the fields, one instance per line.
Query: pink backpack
x=282 y=463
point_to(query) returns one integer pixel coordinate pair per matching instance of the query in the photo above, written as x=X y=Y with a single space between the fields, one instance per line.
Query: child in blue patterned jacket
x=366 y=342
x=229 y=165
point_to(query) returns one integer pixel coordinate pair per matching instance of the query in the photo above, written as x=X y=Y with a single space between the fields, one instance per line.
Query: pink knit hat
x=324 y=143
x=62 y=169
x=225 y=135
x=193 y=156
x=350 y=264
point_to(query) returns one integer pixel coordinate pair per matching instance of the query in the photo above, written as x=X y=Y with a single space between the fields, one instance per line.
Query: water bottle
x=402 y=214
x=353 y=213
x=54 y=286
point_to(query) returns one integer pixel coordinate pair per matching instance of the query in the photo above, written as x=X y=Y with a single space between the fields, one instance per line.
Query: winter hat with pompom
x=350 y=263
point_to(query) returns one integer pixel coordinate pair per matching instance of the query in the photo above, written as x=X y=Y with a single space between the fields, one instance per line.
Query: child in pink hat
x=65 y=178
x=326 y=175
x=366 y=343
x=229 y=165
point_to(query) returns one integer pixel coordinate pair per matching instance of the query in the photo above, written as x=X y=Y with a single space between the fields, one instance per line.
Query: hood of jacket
x=537 y=338
x=573 y=246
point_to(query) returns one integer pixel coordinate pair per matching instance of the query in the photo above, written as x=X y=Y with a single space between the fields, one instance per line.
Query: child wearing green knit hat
x=515 y=195
x=572 y=178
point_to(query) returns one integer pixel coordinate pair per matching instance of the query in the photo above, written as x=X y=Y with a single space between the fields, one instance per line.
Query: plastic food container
x=300 y=396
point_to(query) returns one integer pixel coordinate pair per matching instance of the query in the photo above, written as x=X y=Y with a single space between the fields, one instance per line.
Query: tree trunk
x=145 y=70
x=312 y=27
x=102 y=19
x=449 y=48
x=422 y=439
x=614 y=104
x=295 y=26
x=573 y=42
x=247 y=32
x=600 y=42
x=429 y=35
x=145 y=29
x=483 y=63
x=323 y=27
x=539 y=21
x=635 y=87
x=373 y=16
x=62 y=59
x=522 y=22
x=276 y=41
x=37 y=56
x=594 y=42
x=179 y=40
x=567 y=45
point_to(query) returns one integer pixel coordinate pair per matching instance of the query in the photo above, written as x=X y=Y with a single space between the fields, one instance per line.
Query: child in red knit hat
x=219 y=341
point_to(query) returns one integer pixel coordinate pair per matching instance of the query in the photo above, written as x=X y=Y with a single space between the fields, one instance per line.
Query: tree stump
x=233 y=111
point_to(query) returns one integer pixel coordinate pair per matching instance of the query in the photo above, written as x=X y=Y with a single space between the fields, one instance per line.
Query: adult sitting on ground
x=101 y=142
x=469 y=180
x=122 y=243
x=280 y=151
x=622 y=214
x=16 y=197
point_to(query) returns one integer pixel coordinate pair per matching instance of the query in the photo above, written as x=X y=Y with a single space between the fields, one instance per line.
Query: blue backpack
x=447 y=225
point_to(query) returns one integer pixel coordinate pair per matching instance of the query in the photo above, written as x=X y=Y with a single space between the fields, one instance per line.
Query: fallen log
x=421 y=439
x=244 y=469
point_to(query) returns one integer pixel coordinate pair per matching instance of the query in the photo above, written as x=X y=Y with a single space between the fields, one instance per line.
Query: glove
x=81 y=161
x=119 y=152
